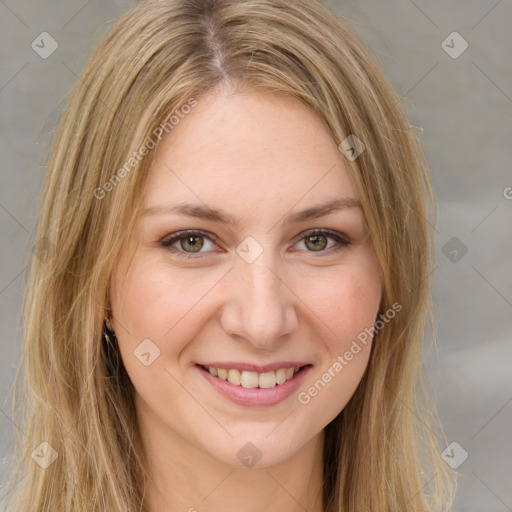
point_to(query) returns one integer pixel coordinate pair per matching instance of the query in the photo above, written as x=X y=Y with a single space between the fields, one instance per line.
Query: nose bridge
x=261 y=309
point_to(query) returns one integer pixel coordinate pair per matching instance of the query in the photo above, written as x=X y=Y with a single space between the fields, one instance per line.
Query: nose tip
x=260 y=307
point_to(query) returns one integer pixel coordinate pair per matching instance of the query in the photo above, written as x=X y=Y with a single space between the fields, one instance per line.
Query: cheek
x=347 y=300
x=155 y=312
x=350 y=314
x=158 y=303
x=346 y=305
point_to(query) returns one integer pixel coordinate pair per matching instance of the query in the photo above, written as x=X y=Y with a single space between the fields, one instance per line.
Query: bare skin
x=305 y=298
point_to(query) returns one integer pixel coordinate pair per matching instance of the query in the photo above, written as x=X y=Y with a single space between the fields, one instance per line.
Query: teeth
x=280 y=376
x=247 y=379
x=267 y=380
x=234 y=377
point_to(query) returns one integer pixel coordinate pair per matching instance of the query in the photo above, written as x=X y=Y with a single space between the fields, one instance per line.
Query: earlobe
x=111 y=348
x=108 y=323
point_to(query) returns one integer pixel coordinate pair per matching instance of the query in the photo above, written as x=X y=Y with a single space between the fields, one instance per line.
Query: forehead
x=248 y=148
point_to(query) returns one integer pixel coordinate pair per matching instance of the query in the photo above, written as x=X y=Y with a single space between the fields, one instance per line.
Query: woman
x=232 y=314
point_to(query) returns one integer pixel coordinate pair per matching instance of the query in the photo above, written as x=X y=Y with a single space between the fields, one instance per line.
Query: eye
x=317 y=240
x=190 y=243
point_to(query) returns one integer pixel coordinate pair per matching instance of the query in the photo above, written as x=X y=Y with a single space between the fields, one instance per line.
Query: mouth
x=251 y=379
x=248 y=388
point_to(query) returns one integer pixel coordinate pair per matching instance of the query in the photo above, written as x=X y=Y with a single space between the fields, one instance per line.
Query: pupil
x=318 y=241
x=194 y=242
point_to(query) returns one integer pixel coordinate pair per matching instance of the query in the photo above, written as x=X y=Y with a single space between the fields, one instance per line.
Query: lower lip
x=251 y=397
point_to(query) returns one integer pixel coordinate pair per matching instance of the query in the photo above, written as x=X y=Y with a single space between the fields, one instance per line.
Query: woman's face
x=252 y=292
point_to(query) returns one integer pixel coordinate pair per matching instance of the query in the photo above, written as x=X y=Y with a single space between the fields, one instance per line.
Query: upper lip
x=250 y=367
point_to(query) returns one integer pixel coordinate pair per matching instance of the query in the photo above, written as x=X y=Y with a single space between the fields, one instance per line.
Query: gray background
x=462 y=108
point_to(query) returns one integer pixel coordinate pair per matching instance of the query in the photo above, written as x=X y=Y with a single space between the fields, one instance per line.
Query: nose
x=260 y=307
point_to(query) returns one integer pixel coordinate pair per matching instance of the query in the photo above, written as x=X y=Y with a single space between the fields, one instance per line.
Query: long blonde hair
x=382 y=451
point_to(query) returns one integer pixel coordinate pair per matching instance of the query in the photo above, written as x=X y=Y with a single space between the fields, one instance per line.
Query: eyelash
x=176 y=237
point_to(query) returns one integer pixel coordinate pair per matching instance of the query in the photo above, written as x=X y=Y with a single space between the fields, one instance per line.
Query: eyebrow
x=215 y=215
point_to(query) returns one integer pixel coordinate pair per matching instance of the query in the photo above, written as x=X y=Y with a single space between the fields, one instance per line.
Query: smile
x=250 y=388
x=248 y=379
